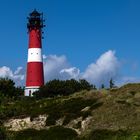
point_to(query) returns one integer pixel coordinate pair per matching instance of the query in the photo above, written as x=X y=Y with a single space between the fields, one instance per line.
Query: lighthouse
x=34 y=73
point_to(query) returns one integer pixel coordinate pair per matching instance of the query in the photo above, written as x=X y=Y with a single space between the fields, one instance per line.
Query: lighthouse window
x=30 y=93
x=31 y=53
x=36 y=53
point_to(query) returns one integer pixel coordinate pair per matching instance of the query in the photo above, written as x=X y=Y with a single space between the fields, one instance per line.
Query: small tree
x=59 y=87
x=102 y=86
x=7 y=88
x=111 y=83
x=94 y=87
x=85 y=84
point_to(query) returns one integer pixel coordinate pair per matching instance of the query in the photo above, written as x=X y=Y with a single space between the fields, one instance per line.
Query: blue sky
x=82 y=30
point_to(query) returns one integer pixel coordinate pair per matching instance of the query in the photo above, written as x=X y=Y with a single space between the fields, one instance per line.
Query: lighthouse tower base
x=30 y=90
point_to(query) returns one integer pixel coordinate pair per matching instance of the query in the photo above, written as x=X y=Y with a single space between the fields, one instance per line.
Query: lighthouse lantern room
x=34 y=73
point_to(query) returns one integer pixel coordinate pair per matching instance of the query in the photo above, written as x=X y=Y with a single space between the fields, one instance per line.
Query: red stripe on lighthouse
x=35 y=39
x=35 y=75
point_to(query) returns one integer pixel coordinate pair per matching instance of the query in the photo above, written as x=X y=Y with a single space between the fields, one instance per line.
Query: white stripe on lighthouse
x=34 y=55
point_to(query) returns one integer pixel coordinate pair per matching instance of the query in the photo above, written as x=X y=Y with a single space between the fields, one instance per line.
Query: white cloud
x=58 y=67
x=18 y=70
x=127 y=79
x=105 y=68
x=5 y=72
x=17 y=76
x=100 y=72
x=70 y=73
x=53 y=65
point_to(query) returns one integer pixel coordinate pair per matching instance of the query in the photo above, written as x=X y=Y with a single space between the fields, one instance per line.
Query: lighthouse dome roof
x=35 y=13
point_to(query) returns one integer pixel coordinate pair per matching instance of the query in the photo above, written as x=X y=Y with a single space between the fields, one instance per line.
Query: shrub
x=54 y=133
x=70 y=109
x=2 y=134
x=59 y=87
x=8 y=89
x=110 y=135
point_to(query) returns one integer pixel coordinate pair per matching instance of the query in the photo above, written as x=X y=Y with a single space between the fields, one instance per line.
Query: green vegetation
x=54 y=133
x=105 y=114
x=58 y=87
x=8 y=89
x=111 y=83
x=54 y=108
x=61 y=133
x=70 y=109
x=112 y=135
x=2 y=133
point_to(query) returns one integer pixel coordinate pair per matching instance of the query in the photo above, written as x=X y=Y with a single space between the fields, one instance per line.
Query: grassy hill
x=86 y=115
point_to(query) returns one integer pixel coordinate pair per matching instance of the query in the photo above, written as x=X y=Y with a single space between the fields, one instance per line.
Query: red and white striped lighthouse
x=34 y=74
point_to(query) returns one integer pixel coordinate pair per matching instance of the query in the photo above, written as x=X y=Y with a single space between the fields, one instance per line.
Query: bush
x=70 y=109
x=54 y=133
x=8 y=89
x=112 y=135
x=59 y=87
x=2 y=134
